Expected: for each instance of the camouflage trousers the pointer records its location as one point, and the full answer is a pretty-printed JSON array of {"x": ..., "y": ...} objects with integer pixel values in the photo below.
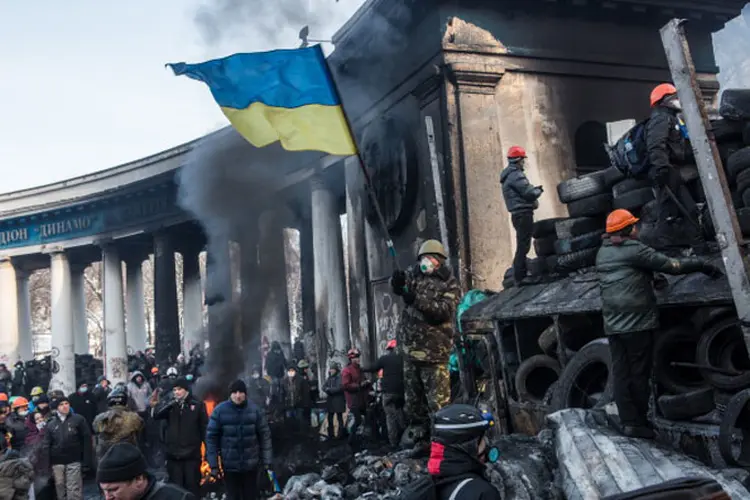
[
  {"x": 68, "y": 481},
  {"x": 393, "y": 406},
  {"x": 427, "y": 388}
]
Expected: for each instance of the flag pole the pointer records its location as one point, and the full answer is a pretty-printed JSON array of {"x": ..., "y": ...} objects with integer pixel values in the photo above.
[{"x": 368, "y": 179}]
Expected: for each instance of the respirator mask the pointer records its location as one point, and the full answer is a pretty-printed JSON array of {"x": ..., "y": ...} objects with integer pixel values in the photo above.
[{"x": 428, "y": 265}]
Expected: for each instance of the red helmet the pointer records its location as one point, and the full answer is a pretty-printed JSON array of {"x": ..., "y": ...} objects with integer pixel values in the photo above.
[
  {"x": 391, "y": 344},
  {"x": 353, "y": 353},
  {"x": 660, "y": 92},
  {"x": 516, "y": 152}
]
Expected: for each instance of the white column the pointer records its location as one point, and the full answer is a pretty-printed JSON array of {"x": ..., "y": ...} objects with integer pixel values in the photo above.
[
  {"x": 80, "y": 318},
  {"x": 63, "y": 358},
  {"x": 8, "y": 313},
  {"x": 192, "y": 300},
  {"x": 332, "y": 320},
  {"x": 116, "y": 361},
  {"x": 136, "y": 326},
  {"x": 25, "y": 333}
]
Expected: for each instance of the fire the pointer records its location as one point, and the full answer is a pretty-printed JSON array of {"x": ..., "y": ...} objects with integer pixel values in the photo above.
[{"x": 205, "y": 468}]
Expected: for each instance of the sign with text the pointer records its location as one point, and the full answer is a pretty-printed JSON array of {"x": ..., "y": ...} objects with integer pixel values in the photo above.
[{"x": 88, "y": 219}]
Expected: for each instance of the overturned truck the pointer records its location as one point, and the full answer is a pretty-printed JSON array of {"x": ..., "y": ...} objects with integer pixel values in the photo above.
[{"x": 545, "y": 344}]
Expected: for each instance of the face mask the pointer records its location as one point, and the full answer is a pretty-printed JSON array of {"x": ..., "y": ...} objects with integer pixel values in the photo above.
[
  {"x": 256, "y": 375},
  {"x": 35, "y": 398},
  {"x": 23, "y": 413},
  {"x": 40, "y": 425},
  {"x": 291, "y": 374},
  {"x": 675, "y": 104},
  {"x": 189, "y": 378},
  {"x": 83, "y": 389},
  {"x": 44, "y": 411},
  {"x": 427, "y": 265}
]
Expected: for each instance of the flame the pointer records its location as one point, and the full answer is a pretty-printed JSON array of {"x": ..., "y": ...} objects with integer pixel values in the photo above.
[{"x": 205, "y": 468}]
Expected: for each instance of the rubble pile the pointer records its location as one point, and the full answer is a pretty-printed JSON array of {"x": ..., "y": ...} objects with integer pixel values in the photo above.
[{"x": 525, "y": 471}]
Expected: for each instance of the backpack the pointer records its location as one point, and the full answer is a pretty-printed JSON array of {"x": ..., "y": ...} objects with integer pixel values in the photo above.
[
  {"x": 425, "y": 488},
  {"x": 629, "y": 154}
]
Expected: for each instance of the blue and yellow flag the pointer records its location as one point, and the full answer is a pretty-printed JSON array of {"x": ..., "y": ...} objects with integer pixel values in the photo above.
[{"x": 283, "y": 95}]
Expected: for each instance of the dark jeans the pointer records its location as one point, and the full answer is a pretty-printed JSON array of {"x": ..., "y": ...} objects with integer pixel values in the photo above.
[
  {"x": 357, "y": 414},
  {"x": 185, "y": 473},
  {"x": 340, "y": 418},
  {"x": 241, "y": 485},
  {"x": 523, "y": 222},
  {"x": 632, "y": 356},
  {"x": 667, "y": 207}
]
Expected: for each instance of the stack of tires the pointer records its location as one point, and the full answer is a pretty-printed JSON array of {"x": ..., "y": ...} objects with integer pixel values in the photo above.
[
  {"x": 545, "y": 239},
  {"x": 732, "y": 134},
  {"x": 88, "y": 369},
  {"x": 589, "y": 199}
]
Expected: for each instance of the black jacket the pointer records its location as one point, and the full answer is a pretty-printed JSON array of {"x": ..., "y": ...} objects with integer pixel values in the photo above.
[
  {"x": 625, "y": 269},
  {"x": 185, "y": 427},
  {"x": 258, "y": 390},
  {"x": 518, "y": 193},
  {"x": 664, "y": 142},
  {"x": 68, "y": 441},
  {"x": 336, "y": 401},
  {"x": 165, "y": 491},
  {"x": 392, "y": 365},
  {"x": 84, "y": 405},
  {"x": 16, "y": 425},
  {"x": 453, "y": 467},
  {"x": 240, "y": 435},
  {"x": 276, "y": 363},
  {"x": 100, "y": 395}
]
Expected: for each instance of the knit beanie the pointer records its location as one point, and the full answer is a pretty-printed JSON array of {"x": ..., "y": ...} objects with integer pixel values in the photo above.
[
  {"x": 123, "y": 462},
  {"x": 182, "y": 383},
  {"x": 237, "y": 386}
]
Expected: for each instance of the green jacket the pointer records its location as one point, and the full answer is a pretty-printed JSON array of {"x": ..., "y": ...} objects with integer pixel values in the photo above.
[{"x": 625, "y": 269}]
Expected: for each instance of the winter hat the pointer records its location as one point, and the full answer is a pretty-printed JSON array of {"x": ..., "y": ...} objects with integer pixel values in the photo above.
[
  {"x": 182, "y": 383},
  {"x": 123, "y": 462},
  {"x": 42, "y": 400},
  {"x": 237, "y": 386}
]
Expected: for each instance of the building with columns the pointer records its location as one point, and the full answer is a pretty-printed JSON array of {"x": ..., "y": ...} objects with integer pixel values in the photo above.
[{"x": 437, "y": 91}]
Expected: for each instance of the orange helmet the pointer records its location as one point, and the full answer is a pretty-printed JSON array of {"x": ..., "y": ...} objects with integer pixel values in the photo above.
[
  {"x": 516, "y": 152},
  {"x": 3, "y": 396},
  {"x": 20, "y": 402},
  {"x": 660, "y": 92},
  {"x": 391, "y": 344},
  {"x": 154, "y": 370},
  {"x": 620, "y": 219}
]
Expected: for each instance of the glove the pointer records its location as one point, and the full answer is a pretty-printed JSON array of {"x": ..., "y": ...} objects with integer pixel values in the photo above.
[
  {"x": 398, "y": 280},
  {"x": 712, "y": 271},
  {"x": 660, "y": 282},
  {"x": 540, "y": 188},
  {"x": 409, "y": 297},
  {"x": 215, "y": 473},
  {"x": 661, "y": 176}
]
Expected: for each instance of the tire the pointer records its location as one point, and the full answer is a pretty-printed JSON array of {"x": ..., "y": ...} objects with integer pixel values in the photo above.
[
  {"x": 735, "y": 413},
  {"x": 548, "y": 340},
  {"x": 588, "y": 240},
  {"x": 738, "y": 161},
  {"x": 735, "y": 104},
  {"x": 746, "y": 134},
  {"x": 508, "y": 283},
  {"x": 612, "y": 176},
  {"x": 586, "y": 375},
  {"x": 634, "y": 199},
  {"x": 746, "y": 198},
  {"x": 545, "y": 227},
  {"x": 537, "y": 267},
  {"x": 582, "y": 187},
  {"x": 728, "y": 149},
  {"x": 743, "y": 180},
  {"x": 577, "y": 260},
  {"x": 535, "y": 376},
  {"x": 629, "y": 185},
  {"x": 713, "y": 347},
  {"x": 705, "y": 317},
  {"x": 743, "y": 217},
  {"x": 688, "y": 405},
  {"x": 545, "y": 246},
  {"x": 591, "y": 206},
  {"x": 726, "y": 130},
  {"x": 570, "y": 228},
  {"x": 677, "y": 344}
]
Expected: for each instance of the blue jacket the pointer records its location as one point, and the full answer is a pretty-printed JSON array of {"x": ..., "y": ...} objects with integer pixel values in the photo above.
[{"x": 240, "y": 435}]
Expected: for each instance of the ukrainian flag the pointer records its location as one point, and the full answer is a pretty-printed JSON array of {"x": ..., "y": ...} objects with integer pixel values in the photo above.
[{"x": 283, "y": 95}]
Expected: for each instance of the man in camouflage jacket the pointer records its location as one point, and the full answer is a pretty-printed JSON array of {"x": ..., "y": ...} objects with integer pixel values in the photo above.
[
  {"x": 431, "y": 294},
  {"x": 116, "y": 425}
]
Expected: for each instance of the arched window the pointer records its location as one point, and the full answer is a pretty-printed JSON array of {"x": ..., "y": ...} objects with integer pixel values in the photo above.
[{"x": 590, "y": 139}]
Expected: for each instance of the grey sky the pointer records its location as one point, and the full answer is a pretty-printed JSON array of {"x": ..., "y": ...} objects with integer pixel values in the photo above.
[{"x": 84, "y": 87}]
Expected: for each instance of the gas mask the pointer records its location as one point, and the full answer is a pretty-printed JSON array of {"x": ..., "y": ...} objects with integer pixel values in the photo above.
[
  {"x": 83, "y": 390},
  {"x": 675, "y": 104},
  {"x": 291, "y": 374},
  {"x": 488, "y": 454},
  {"x": 23, "y": 413},
  {"x": 41, "y": 425},
  {"x": 428, "y": 265},
  {"x": 256, "y": 376}
]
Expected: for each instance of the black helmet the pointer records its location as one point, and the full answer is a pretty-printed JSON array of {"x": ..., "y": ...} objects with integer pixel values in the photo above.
[
  {"x": 459, "y": 423},
  {"x": 118, "y": 397}
]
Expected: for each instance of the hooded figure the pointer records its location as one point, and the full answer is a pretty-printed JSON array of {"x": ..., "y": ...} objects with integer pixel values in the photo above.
[
  {"x": 139, "y": 392},
  {"x": 276, "y": 361}
]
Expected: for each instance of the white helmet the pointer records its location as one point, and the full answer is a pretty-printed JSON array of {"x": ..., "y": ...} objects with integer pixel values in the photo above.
[{"x": 171, "y": 371}]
